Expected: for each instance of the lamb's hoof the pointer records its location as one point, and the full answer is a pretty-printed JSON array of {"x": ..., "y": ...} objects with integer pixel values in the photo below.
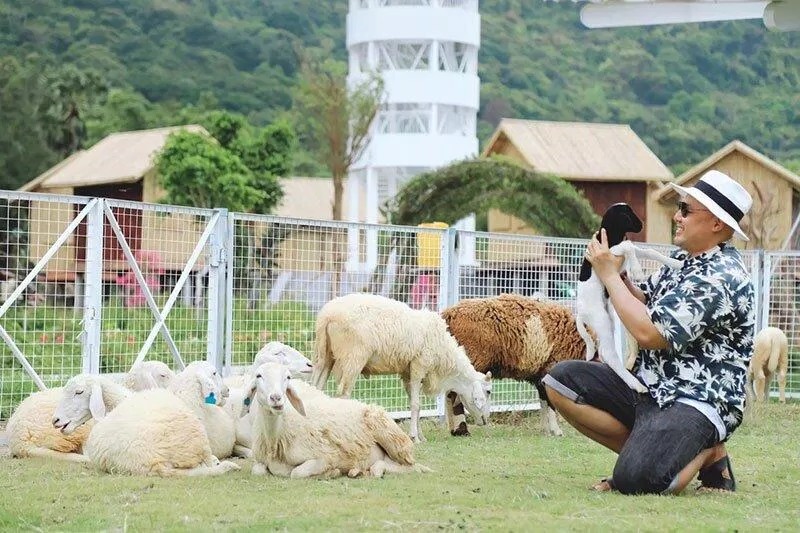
[
  {"x": 556, "y": 432},
  {"x": 259, "y": 469},
  {"x": 460, "y": 431},
  {"x": 228, "y": 466},
  {"x": 355, "y": 472},
  {"x": 416, "y": 439}
]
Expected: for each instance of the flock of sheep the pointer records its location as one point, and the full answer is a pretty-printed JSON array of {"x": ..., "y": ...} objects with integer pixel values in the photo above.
[{"x": 156, "y": 422}]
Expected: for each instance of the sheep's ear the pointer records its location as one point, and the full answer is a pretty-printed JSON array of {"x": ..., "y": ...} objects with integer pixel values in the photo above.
[
  {"x": 248, "y": 399},
  {"x": 209, "y": 391},
  {"x": 295, "y": 400},
  {"x": 149, "y": 381},
  {"x": 96, "y": 404}
]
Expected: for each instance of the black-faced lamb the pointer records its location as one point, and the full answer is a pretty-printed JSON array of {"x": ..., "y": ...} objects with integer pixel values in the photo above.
[
  {"x": 369, "y": 334},
  {"x": 513, "y": 337},
  {"x": 300, "y": 432},
  {"x": 593, "y": 306}
]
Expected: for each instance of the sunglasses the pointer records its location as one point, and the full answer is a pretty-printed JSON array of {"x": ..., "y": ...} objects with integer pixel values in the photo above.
[{"x": 685, "y": 210}]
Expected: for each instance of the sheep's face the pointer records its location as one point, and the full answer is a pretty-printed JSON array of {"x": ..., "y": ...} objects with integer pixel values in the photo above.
[
  {"x": 271, "y": 387},
  {"x": 81, "y": 401},
  {"x": 477, "y": 402},
  {"x": 212, "y": 388},
  {"x": 151, "y": 375},
  {"x": 278, "y": 352}
]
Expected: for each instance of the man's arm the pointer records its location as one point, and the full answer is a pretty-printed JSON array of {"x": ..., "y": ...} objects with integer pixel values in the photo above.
[
  {"x": 628, "y": 302},
  {"x": 635, "y": 290}
]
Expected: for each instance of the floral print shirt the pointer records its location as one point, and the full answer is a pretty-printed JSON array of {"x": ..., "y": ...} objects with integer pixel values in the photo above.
[{"x": 705, "y": 311}]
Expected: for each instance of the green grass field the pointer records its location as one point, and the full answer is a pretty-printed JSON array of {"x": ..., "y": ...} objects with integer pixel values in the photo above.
[{"x": 506, "y": 477}]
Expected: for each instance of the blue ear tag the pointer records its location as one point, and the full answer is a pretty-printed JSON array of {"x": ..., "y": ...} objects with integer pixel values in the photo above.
[
  {"x": 247, "y": 401},
  {"x": 211, "y": 399}
]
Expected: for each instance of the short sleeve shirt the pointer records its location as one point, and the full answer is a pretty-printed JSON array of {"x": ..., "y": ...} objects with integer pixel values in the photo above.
[{"x": 705, "y": 311}]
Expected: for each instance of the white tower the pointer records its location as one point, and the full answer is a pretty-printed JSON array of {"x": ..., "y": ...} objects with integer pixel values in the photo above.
[{"x": 427, "y": 53}]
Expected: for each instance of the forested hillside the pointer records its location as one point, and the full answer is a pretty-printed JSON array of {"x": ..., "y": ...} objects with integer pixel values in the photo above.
[{"x": 687, "y": 89}]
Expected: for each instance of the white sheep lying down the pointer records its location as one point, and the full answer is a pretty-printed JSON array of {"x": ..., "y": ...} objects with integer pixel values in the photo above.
[
  {"x": 153, "y": 432},
  {"x": 314, "y": 435},
  {"x": 220, "y": 426},
  {"x": 30, "y": 428},
  {"x": 276, "y": 352},
  {"x": 370, "y": 334}
]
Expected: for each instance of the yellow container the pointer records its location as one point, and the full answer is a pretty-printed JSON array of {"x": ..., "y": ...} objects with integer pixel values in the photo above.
[{"x": 428, "y": 244}]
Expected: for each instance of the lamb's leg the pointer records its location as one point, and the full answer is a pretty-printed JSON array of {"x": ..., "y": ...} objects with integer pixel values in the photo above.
[
  {"x": 242, "y": 451},
  {"x": 590, "y": 347},
  {"x": 414, "y": 389},
  {"x": 47, "y": 453},
  {"x": 310, "y": 468},
  {"x": 456, "y": 418},
  {"x": 221, "y": 467},
  {"x": 277, "y": 468},
  {"x": 649, "y": 253},
  {"x": 259, "y": 469},
  {"x": 762, "y": 385},
  {"x": 782, "y": 384},
  {"x": 348, "y": 369},
  {"x": 387, "y": 465},
  {"x": 605, "y": 334},
  {"x": 547, "y": 415}
]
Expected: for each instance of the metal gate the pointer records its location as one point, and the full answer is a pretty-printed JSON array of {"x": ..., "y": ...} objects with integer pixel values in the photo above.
[{"x": 95, "y": 285}]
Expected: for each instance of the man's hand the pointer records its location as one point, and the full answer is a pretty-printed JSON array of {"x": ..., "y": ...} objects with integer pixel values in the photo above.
[{"x": 604, "y": 263}]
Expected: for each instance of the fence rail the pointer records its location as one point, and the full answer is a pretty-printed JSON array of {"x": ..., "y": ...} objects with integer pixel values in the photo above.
[{"x": 95, "y": 285}]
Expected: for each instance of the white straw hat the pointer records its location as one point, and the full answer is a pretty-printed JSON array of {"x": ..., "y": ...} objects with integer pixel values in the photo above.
[{"x": 725, "y": 198}]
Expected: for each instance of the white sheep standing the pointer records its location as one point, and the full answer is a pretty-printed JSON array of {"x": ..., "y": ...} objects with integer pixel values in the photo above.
[
  {"x": 770, "y": 355},
  {"x": 30, "y": 429},
  {"x": 276, "y": 352},
  {"x": 202, "y": 389},
  {"x": 153, "y": 432},
  {"x": 370, "y": 334},
  {"x": 318, "y": 436}
]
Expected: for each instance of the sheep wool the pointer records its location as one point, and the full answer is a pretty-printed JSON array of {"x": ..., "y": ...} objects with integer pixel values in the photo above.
[{"x": 515, "y": 337}]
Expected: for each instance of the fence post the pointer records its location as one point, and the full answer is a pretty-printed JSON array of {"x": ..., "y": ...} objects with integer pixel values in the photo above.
[
  {"x": 766, "y": 284},
  {"x": 230, "y": 270},
  {"x": 449, "y": 273},
  {"x": 217, "y": 290},
  {"x": 93, "y": 288}
]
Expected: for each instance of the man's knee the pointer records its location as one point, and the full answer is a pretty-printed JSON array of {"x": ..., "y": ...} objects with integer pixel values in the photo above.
[
  {"x": 558, "y": 383},
  {"x": 641, "y": 475},
  {"x": 562, "y": 370}
]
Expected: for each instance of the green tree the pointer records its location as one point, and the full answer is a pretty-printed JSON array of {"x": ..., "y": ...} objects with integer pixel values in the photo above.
[
  {"x": 197, "y": 171},
  {"x": 68, "y": 95},
  {"x": 337, "y": 119}
]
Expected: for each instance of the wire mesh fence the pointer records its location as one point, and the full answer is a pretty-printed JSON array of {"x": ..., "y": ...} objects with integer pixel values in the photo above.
[{"x": 179, "y": 284}]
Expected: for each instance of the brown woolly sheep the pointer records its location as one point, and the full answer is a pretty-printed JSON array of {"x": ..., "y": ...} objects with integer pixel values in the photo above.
[{"x": 513, "y": 337}]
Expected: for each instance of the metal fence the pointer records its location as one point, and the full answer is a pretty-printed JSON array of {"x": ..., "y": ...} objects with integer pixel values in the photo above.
[{"x": 94, "y": 285}]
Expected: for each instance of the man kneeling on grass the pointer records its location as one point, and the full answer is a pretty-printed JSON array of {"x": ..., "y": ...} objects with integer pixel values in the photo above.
[{"x": 694, "y": 326}]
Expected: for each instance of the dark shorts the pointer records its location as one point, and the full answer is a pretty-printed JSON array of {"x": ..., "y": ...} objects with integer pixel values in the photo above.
[{"x": 662, "y": 441}]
